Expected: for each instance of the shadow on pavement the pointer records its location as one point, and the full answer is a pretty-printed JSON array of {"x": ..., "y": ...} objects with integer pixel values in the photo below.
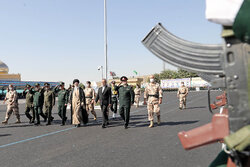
[
  {"x": 3, "y": 135},
  {"x": 15, "y": 126},
  {"x": 196, "y": 107},
  {"x": 178, "y": 123}
]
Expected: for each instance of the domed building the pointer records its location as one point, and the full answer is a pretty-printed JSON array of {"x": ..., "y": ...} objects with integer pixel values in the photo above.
[{"x": 4, "y": 73}]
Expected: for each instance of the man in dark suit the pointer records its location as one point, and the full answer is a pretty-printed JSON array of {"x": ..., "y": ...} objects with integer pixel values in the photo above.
[{"x": 104, "y": 96}]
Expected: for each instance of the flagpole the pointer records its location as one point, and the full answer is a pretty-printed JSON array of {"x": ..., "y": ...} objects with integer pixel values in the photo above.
[{"x": 105, "y": 40}]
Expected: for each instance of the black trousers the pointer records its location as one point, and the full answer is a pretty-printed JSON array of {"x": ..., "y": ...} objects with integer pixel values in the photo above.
[
  {"x": 105, "y": 117},
  {"x": 114, "y": 106},
  {"x": 125, "y": 114},
  {"x": 27, "y": 113}
]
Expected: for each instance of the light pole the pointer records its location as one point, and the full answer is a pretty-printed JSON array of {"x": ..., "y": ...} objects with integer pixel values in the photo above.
[
  {"x": 101, "y": 68},
  {"x": 105, "y": 41}
]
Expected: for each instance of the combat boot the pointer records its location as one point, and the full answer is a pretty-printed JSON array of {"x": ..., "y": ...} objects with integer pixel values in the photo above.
[
  {"x": 158, "y": 119},
  {"x": 18, "y": 121},
  {"x": 94, "y": 117},
  {"x": 151, "y": 124},
  {"x": 5, "y": 121}
]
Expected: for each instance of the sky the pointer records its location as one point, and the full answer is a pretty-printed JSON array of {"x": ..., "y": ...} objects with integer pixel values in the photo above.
[{"x": 60, "y": 40}]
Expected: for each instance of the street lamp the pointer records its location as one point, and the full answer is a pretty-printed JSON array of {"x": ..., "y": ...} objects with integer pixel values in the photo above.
[{"x": 101, "y": 68}]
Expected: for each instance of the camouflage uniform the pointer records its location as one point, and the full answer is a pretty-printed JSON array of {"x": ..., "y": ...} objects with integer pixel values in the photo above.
[
  {"x": 12, "y": 105},
  {"x": 90, "y": 97},
  {"x": 182, "y": 94},
  {"x": 152, "y": 93},
  {"x": 137, "y": 96}
]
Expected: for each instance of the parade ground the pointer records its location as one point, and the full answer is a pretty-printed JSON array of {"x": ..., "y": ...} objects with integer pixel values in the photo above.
[{"x": 91, "y": 146}]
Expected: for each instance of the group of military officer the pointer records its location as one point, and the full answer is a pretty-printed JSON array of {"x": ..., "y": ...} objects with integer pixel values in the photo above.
[{"x": 39, "y": 98}]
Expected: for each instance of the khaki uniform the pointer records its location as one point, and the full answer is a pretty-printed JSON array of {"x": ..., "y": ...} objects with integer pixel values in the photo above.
[
  {"x": 90, "y": 97},
  {"x": 12, "y": 105},
  {"x": 137, "y": 92},
  {"x": 152, "y": 93},
  {"x": 182, "y": 94}
]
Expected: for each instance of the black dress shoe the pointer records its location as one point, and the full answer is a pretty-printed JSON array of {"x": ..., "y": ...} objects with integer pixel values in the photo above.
[
  {"x": 62, "y": 124},
  {"x": 78, "y": 125},
  {"x": 103, "y": 126},
  {"x": 37, "y": 124},
  {"x": 48, "y": 124},
  {"x": 125, "y": 126}
]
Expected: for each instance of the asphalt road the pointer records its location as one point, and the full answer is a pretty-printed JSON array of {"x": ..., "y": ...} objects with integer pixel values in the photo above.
[{"x": 44, "y": 146}]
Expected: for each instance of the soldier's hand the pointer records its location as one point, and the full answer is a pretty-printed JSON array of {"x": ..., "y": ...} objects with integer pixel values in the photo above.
[
  {"x": 160, "y": 101},
  {"x": 65, "y": 104}
]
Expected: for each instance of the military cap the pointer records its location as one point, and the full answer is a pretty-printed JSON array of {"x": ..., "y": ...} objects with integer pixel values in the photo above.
[
  {"x": 46, "y": 84},
  {"x": 37, "y": 84},
  {"x": 124, "y": 78},
  {"x": 88, "y": 82},
  {"x": 61, "y": 83},
  {"x": 28, "y": 86},
  {"x": 76, "y": 80}
]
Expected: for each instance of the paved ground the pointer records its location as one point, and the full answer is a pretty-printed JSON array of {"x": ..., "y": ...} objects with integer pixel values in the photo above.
[{"x": 140, "y": 146}]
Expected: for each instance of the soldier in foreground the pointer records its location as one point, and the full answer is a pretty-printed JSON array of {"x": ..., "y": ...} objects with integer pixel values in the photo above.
[
  {"x": 38, "y": 103},
  {"x": 153, "y": 95},
  {"x": 182, "y": 95},
  {"x": 137, "y": 91},
  {"x": 28, "y": 93},
  {"x": 114, "y": 99},
  {"x": 12, "y": 104},
  {"x": 126, "y": 100},
  {"x": 90, "y": 99},
  {"x": 49, "y": 102},
  {"x": 62, "y": 101}
]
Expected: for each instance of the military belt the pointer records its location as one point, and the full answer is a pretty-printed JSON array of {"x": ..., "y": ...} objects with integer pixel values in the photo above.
[{"x": 156, "y": 96}]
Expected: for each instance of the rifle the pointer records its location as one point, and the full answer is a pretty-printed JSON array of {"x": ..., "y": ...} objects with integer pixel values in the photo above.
[{"x": 225, "y": 66}]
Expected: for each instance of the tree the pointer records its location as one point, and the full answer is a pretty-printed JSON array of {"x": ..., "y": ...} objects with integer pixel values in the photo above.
[{"x": 169, "y": 74}]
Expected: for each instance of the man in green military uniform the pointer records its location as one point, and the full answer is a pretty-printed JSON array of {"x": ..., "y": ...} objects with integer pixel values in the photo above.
[
  {"x": 62, "y": 94},
  {"x": 28, "y": 93},
  {"x": 126, "y": 100},
  {"x": 38, "y": 98},
  {"x": 49, "y": 102}
]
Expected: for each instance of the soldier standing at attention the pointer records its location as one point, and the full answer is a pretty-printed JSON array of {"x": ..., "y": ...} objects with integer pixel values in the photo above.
[
  {"x": 126, "y": 100},
  {"x": 182, "y": 95},
  {"x": 137, "y": 91},
  {"x": 12, "y": 105},
  {"x": 90, "y": 99},
  {"x": 38, "y": 98},
  {"x": 49, "y": 102},
  {"x": 114, "y": 99},
  {"x": 153, "y": 95},
  {"x": 62, "y": 101},
  {"x": 28, "y": 93}
]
